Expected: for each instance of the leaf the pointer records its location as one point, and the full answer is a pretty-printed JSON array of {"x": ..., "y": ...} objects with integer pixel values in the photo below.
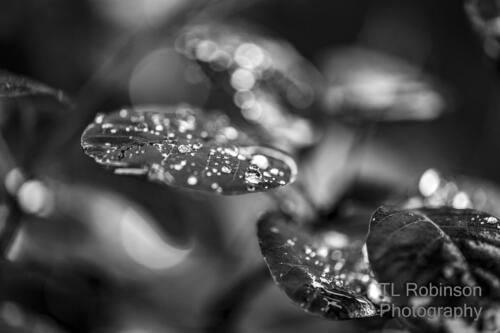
[
  {"x": 15, "y": 86},
  {"x": 265, "y": 79},
  {"x": 370, "y": 85},
  {"x": 183, "y": 147},
  {"x": 439, "y": 246},
  {"x": 483, "y": 15},
  {"x": 324, "y": 274}
]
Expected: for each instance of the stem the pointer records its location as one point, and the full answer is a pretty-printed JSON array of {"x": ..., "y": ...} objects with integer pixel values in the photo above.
[
  {"x": 12, "y": 221},
  {"x": 7, "y": 162},
  {"x": 363, "y": 133},
  {"x": 11, "y": 227},
  {"x": 228, "y": 307}
]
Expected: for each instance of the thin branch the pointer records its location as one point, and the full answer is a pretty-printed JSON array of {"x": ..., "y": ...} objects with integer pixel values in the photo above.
[
  {"x": 10, "y": 228},
  {"x": 227, "y": 309},
  {"x": 7, "y": 162}
]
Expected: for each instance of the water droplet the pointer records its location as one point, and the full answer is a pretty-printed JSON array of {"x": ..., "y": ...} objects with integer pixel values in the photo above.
[
  {"x": 274, "y": 171},
  {"x": 192, "y": 180},
  {"x": 226, "y": 169},
  {"x": 184, "y": 149},
  {"x": 261, "y": 161},
  {"x": 491, "y": 220},
  {"x": 99, "y": 118},
  {"x": 253, "y": 176},
  {"x": 429, "y": 182}
]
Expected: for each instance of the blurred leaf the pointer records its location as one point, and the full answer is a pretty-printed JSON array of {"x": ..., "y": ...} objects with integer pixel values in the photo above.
[
  {"x": 183, "y": 147},
  {"x": 440, "y": 247},
  {"x": 437, "y": 190},
  {"x": 483, "y": 15},
  {"x": 324, "y": 274},
  {"x": 15, "y": 86},
  {"x": 29, "y": 111},
  {"x": 365, "y": 84},
  {"x": 265, "y": 79}
]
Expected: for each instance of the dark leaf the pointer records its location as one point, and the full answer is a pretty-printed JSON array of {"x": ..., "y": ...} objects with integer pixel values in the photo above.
[
  {"x": 323, "y": 273},
  {"x": 261, "y": 77},
  {"x": 483, "y": 15},
  {"x": 438, "y": 246},
  {"x": 183, "y": 147},
  {"x": 15, "y": 86},
  {"x": 370, "y": 85}
]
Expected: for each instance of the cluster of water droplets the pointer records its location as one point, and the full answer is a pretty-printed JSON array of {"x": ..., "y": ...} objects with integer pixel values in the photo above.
[
  {"x": 267, "y": 77},
  {"x": 185, "y": 147},
  {"x": 460, "y": 192}
]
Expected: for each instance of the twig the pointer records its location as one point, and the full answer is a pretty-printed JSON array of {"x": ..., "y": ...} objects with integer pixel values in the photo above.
[
  {"x": 12, "y": 222},
  {"x": 7, "y": 162},
  {"x": 11, "y": 227},
  {"x": 228, "y": 307}
]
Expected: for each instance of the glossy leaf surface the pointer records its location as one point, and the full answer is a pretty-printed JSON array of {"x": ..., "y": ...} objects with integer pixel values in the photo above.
[
  {"x": 185, "y": 147},
  {"x": 324, "y": 273}
]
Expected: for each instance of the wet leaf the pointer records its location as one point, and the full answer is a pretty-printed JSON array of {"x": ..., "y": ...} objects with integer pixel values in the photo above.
[
  {"x": 437, "y": 190},
  {"x": 458, "y": 248},
  {"x": 181, "y": 146},
  {"x": 365, "y": 84},
  {"x": 15, "y": 86},
  {"x": 483, "y": 15},
  {"x": 264, "y": 78},
  {"x": 325, "y": 274}
]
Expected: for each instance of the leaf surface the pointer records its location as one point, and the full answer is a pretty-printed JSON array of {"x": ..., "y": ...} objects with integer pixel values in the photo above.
[
  {"x": 185, "y": 147},
  {"x": 324, "y": 273}
]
